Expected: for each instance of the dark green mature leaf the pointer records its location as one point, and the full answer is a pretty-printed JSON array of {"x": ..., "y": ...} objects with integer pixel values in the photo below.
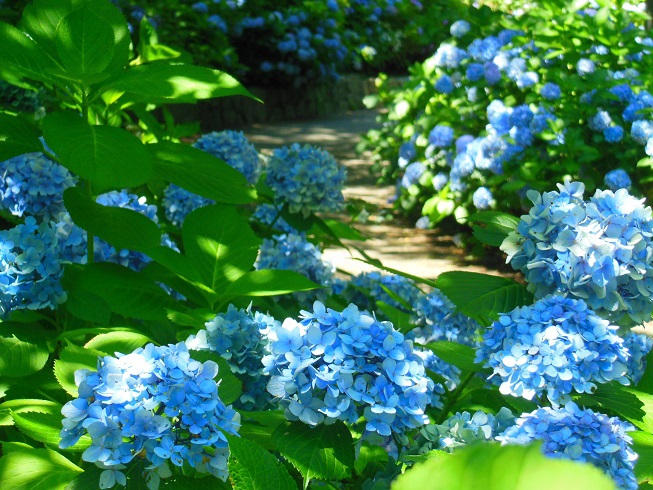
[
  {"x": 323, "y": 452},
  {"x": 253, "y": 468},
  {"x": 643, "y": 446},
  {"x": 482, "y": 296},
  {"x": 628, "y": 403},
  {"x": 17, "y": 137},
  {"x": 201, "y": 173},
  {"x": 21, "y": 57},
  {"x": 22, "y": 351},
  {"x": 111, "y": 158},
  {"x": 72, "y": 358},
  {"x": 219, "y": 244},
  {"x": 36, "y": 469},
  {"x": 495, "y": 467},
  {"x": 173, "y": 83},
  {"x": 84, "y": 42},
  {"x": 269, "y": 283},
  {"x": 259, "y": 426},
  {"x": 121, "y": 227},
  {"x": 461, "y": 356},
  {"x": 127, "y": 293},
  {"x": 491, "y": 227}
]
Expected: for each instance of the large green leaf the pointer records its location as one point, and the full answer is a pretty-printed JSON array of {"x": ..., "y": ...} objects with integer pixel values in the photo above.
[
  {"x": 10, "y": 407},
  {"x": 169, "y": 83},
  {"x": 123, "y": 342},
  {"x": 495, "y": 467},
  {"x": 269, "y": 283},
  {"x": 22, "y": 351},
  {"x": 628, "y": 403},
  {"x": 46, "y": 428},
  {"x": 219, "y": 244},
  {"x": 461, "y": 356},
  {"x": 111, "y": 158},
  {"x": 259, "y": 426},
  {"x": 253, "y": 468},
  {"x": 126, "y": 292},
  {"x": 36, "y": 469},
  {"x": 482, "y": 296},
  {"x": 17, "y": 137},
  {"x": 121, "y": 227},
  {"x": 84, "y": 42},
  {"x": 201, "y": 173},
  {"x": 20, "y": 56},
  {"x": 643, "y": 446},
  {"x": 492, "y": 227},
  {"x": 324, "y": 452},
  {"x": 71, "y": 359}
]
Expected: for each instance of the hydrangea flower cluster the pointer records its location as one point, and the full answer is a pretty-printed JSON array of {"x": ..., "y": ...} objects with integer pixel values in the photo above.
[
  {"x": 179, "y": 203},
  {"x": 366, "y": 288},
  {"x": 568, "y": 432},
  {"x": 617, "y": 179},
  {"x": 235, "y": 149},
  {"x": 554, "y": 347},
  {"x": 343, "y": 365},
  {"x": 294, "y": 252},
  {"x": 306, "y": 178},
  {"x": 600, "y": 250},
  {"x": 240, "y": 336},
  {"x": 156, "y": 403},
  {"x": 33, "y": 185},
  {"x": 639, "y": 345},
  {"x": 270, "y": 215},
  {"x": 30, "y": 267}
]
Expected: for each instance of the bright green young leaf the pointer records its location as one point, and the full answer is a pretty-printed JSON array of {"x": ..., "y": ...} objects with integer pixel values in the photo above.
[
  {"x": 121, "y": 227},
  {"x": 15, "y": 406},
  {"x": 482, "y": 296},
  {"x": 495, "y": 467},
  {"x": 22, "y": 352},
  {"x": 111, "y": 158},
  {"x": 169, "y": 83},
  {"x": 123, "y": 342},
  {"x": 253, "y": 468},
  {"x": 369, "y": 458},
  {"x": 643, "y": 446},
  {"x": 84, "y": 42},
  {"x": 461, "y": 356},
  {"x": 17, "y": 137},
  {"x": 21, "y": 57},
  {"x": 491, "y": 227},
  {"x": 324, "y": 452},
  {"x": 46, "y": 428},
  {"x": 269, "y": 282},
  {"x": 201, "y": 173},
  {"x": 219, "y": 244},
  {"x": 72, "y": 358},
  {"x": 36, "y": 469},
  {"x": 126, "y": 292}
]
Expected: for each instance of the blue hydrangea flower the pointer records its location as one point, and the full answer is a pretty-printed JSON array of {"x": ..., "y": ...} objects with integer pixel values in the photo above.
[
  {"x": 579, "y": 435},
  {"x": 639, "y": 345},
  {"x": 459, "y": 28},
  {"x": 156, "y": 403},
  {"x": 556, "y": 346},
  {"x": 33, "y": 185},
  {"x": 179, "y": 203},
  {"x": 412, "y": 174},
  {"x": 484, "y": 50},
  {"x": 306, "y": 178},
  {"x": 30, "y": 267},
  {"x": 642, "y": 131},
  {"x": 200, "y": 7},
  {"x": 407, "y": 152},
  {"x": 293, "y": 252},
  {"x": 617, "y": 179},
  {"x": 462, "y": 142},
  {"x": 218, "y": 22},
  {"x": 498, "y": 115},
  {"x": 623, "y": 92},
  {"x": 449, "y": 56},
  {"x": 444, "y": 84},
  {"x": 474, "y": 72},
  {"x": 550, "y": 91},
  {"x": 270, "y": 215},
  {"x": 439, "y": 181},
  {"x": 492, "y": 73},
  {"x": 441, "y": 136},
  {"x": 449, "y": 373},
  {"x": 600, "y": 121},
  {"x": 585, "y": 66},
  {"x": 233, "y": 148},
  {"x": 345, "y": 365},
  {"x": 423, "y": 223},
  {"x": 527, "y": 80},
  {"x": 366, "y": 288},
  {"x": 482, "y": 198},
  {"x": 613, "y": 134},
  {"x": 240, "y": 336},
  {"x": 587, "y": 250}
]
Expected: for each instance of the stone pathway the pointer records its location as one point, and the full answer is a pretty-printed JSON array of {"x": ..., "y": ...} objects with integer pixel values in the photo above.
[{"x": 424, "y": 253}]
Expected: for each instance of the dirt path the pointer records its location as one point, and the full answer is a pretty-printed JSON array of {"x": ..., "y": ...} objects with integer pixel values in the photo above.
[{"x": 424, "y": 253}]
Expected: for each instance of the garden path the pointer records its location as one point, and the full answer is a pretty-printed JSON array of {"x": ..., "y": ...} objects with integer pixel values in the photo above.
[{"x": 424, "y": 253}]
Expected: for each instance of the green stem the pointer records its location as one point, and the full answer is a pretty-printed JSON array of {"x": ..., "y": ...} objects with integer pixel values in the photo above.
[{"x": 454, "y": 396}]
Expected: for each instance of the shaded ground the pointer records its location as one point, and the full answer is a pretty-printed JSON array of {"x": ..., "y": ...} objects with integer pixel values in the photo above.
[{"x": 424, "y": 253}]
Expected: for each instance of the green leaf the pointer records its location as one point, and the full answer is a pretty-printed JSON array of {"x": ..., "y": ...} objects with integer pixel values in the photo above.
[
  {"x": 46, "y": 428},
  {"x": 72, "y": 358},
  {"x": 461, "y": 356},
  {"x": 111, "y": 158},
  {"x": 10, "y": 407},
  {"x": 219, "y": 244},
  {"x": 628, "y": 403},
  {"x": 84, "y": 42},
  {"x": 162, "y": 82},
  {"x": 482, "y": 296},
  {"x": 121, "y": 227},
  {"x": 643, "y": 446},
  {"x": 36, "y": 469},
  {"x": 491, "y": 227},
  {"x": 127, "y": 293},
  {"x": 269, "y": 282},
  {"x": 495, "y": 467},
  {"x": 17, "y": 137},
  {"x": 201, "y": 173},
  {"x": 123, "y": 342},
  {"x": 323, "y": 452},
  {"x": 253, "y": 468},
  {"x": 399, "y": 319},
  {"x": 22, "y": 351},
  {"x": 20, "y": 56},
  {"x": 369, "y": 458},
  {"x": 259, "y": 426}
]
